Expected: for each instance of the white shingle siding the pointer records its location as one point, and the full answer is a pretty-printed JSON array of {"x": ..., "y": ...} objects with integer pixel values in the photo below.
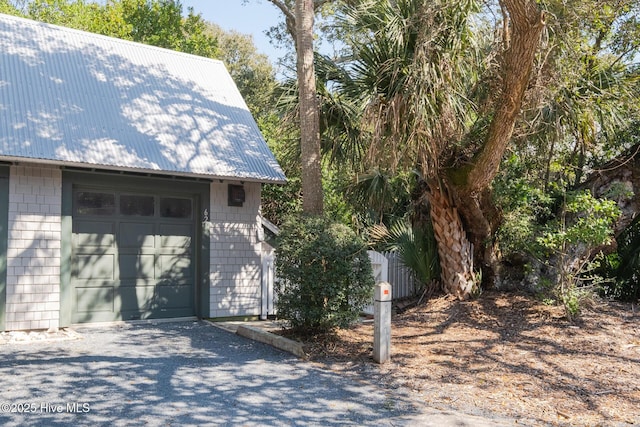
[
  {"x": 33, "y": 250},
  {"x": 235, "y": 253}
]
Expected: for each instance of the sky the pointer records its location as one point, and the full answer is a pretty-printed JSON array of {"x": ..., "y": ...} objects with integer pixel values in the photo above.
[{"x": 252, "y": 17}]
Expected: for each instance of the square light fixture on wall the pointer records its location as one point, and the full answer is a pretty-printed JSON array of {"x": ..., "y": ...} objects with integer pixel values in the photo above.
[{"x": 236, "y": 195}]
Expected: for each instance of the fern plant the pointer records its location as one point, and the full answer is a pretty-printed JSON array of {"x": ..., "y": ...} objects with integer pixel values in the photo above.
[{"x": 416, "y": 247}]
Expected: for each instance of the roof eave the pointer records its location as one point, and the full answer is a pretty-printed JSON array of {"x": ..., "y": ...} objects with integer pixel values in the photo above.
[{"x": 148, "y": 172}]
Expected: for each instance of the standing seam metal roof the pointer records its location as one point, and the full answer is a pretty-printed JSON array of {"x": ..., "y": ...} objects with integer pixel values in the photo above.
[{"x": 78, "y": 98}]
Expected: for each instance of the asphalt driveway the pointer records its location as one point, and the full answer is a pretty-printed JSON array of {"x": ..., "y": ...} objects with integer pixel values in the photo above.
[{"x": 186, "y": 373}]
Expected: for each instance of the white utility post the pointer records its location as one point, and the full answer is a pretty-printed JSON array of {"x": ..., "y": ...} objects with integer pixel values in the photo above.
[{"x": 382, "y": 323}]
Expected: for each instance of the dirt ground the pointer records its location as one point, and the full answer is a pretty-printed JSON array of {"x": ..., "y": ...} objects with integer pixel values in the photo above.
[{"x": 507, "y": 355}]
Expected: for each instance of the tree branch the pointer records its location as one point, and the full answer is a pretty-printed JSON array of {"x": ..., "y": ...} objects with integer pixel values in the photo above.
[
  {"x": 526, "y": 21},
  {"x": 317, "y": 4},
  {"x": 283, "y": 7},
  {"x": 290, "y": 18}
]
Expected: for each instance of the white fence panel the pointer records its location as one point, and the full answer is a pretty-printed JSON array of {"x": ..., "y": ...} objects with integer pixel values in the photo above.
[
  {"x": 268, "y": 279},
  {"x": 400, "y": 276},
  {"x": 380, "y": 267}
]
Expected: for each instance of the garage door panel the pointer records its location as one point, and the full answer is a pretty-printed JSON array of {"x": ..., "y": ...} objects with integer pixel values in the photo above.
[
  {"x": 175, "y": 296},
  {"x": 171, "y": 266},
  {"x": 95, "y": 299},
  {"x": 138, "y": 297},
  {"x": 150, "y": 301},
  {"x": 175, "y": 252},
  {"x": 93, "y": 234},
  {"x": 94, "y": 266},
  {"x": 136, "y": 235},
  {"x": 136, "y": 266},
  {"x": 176, "y": 235}
]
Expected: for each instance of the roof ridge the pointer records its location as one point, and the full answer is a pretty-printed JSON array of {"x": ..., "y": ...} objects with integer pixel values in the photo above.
[{"x": 35, "y": 23}]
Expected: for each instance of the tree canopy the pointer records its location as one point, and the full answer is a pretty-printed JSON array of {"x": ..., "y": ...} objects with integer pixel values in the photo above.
[{"x": 479, "y": 123}]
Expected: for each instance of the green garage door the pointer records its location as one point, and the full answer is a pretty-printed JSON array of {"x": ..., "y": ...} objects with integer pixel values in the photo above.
[{"x": 133, "y": 255}]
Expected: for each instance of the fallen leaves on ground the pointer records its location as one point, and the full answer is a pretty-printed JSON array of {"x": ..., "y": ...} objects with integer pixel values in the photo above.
[{"x": 508, "y": 355}]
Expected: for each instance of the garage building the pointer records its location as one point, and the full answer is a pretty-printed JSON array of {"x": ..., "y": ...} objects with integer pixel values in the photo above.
[{"x": 130, "y": 181}]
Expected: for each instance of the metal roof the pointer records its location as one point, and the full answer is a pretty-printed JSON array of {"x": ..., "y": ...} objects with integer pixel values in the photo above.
[{"x": 78, "y": 98}]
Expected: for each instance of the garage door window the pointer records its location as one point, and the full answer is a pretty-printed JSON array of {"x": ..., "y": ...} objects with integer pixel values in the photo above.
[
  {"x": 172, "y": 207},
  {"x": 92, "y": 203},
  {"x": 131, "y": 204}
]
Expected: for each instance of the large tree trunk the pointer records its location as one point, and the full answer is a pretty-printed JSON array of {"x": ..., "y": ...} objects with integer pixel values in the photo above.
[
  {"x": 454, "y": 250},
  {"x": 299, "y": 22},
  {"x": 309, "y": 110},
  {"x": 526, "y": 24},
  {"x": 471, "y": 194},
  {"x": 481, "y": 218}
]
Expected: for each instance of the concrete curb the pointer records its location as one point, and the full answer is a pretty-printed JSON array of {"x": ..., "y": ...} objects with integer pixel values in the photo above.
[{"x": 277, "y": 341}]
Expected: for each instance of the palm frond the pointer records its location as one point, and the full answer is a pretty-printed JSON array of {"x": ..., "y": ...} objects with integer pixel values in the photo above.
[
  {"x": 412, "y": 71},
  {"x": 416, "y": 247}
]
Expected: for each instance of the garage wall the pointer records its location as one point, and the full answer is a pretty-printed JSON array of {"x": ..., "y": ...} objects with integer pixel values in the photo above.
[
  {"x": 235, "y": 253},
  {"x": 33, "y": 248}
]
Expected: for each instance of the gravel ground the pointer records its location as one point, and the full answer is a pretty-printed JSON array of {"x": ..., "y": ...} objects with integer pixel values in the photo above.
[{"x": 187, "y": 373}]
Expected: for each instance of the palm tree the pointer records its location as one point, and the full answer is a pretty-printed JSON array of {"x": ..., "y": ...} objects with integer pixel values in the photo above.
[{"x": 416, "y": 74}]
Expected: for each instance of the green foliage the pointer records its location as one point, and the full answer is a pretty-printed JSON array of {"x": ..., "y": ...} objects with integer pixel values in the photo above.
[
  {"x": 324, "y": 275},
  {"x": 525, "y": 205},
  {"x": 7, "y": 7},
  {"x": 584, "y": 222},
  {"x": 160, "y": 23},
  {"x": 379, "y": 197},
  {"x": 280, "y": 201},
  {"x": 73, "y": 14},
  {"x": 624, "y": 266},
  {"x": 335, "y": 181},
  {"x": 251, "y": 71},
  {"x": 155, "y": 22},
  {"x": 555, "y": 227},
  {"x": 416, "y": 246},
  {"x": 573, "y": 299},
  {"x": 590, "y": 222},
  {"x": 409, "y": 78}
]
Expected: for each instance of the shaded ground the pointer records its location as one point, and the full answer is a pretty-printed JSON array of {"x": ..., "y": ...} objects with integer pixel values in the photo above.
[
  {"x": 509, "y": 355},
  {"x": 180, "y": 374}
]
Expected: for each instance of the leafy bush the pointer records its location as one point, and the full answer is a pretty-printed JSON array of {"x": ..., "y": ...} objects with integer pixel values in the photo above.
[
  {"x": 525, "y": 206},
  {"x": 585, "y": 222},
  {"x": 591, "y": 223},
  {"x": 324, "y": 275}
]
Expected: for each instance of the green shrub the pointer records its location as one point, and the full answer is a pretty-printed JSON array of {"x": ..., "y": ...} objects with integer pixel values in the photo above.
[
  {"x": 591, "y": 223},
  {"x": 585, "y": 222},
  {"x": 624, "y": 266},
  {"x": 324, "y": 275}
]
